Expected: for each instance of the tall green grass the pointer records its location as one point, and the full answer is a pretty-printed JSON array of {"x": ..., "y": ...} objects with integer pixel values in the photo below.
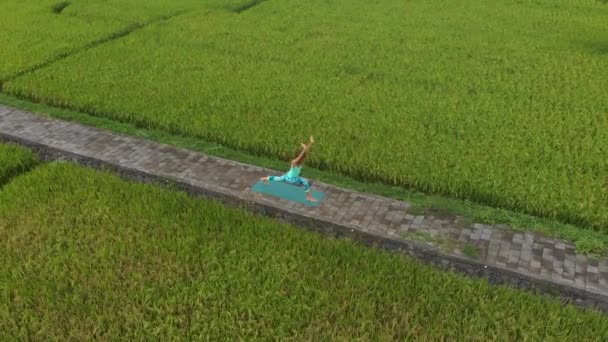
[
  {"x": 14, "y": 160},
  {"x": 88, "y": 256},
  {"x": 588, "y": 241},
  {"x": 501, "y": 103},
  {"x": 34, "y": 32}
]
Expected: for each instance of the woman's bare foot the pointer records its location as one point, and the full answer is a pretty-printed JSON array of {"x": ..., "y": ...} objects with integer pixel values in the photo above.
[
  {"x": 265, "y": 180},
  {"x": 309, "y": 197}
]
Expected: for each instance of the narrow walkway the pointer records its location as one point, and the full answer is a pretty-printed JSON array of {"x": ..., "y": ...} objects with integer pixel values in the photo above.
[{"x": 503, "y": 256}]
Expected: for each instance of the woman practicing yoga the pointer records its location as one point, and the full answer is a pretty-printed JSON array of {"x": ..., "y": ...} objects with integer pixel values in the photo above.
[{"x": 293, "y": 176}]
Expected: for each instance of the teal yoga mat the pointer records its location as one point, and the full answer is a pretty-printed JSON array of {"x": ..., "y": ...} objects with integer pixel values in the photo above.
[{"x": 288, "y": 191}]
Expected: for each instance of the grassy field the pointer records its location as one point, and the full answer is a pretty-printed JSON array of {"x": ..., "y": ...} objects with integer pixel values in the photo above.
[
  {"x": 587, "y": 241},
  {"x": 14, "y": 160},
  {"x": 501, "y": 103},
  {"x": 35, "y": 32},
  {"x": 131, "y": 261}
]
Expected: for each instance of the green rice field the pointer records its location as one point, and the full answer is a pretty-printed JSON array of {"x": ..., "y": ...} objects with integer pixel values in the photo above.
[
  {"x": 87, "y": 256},
  {"x": 36, "y": 32},
  {"x": 503, "y": 102},
  {"x": 14, "y": 160}
]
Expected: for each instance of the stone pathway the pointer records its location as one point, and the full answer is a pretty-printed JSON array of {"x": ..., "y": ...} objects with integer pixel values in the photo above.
[{"x": 494, "y": 251}]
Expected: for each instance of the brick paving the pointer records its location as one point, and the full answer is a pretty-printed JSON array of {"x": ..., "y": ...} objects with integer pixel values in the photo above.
[{"x": 528, "y": 255}]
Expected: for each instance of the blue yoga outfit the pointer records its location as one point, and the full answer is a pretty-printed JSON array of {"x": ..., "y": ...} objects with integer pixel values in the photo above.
[{"x": 292, "y": 177}]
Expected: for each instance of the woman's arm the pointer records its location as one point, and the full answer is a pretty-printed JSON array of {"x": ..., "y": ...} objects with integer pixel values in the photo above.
[{"x": 300, "y": 158}]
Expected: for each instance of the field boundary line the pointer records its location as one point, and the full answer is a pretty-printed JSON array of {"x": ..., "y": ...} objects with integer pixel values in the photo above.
[
  {"x": 248, "y": 6},
  {"x": 125, "y": 31}
]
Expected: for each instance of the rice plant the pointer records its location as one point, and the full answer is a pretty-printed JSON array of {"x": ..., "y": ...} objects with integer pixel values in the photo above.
[
  {"x": 86, "y": 255},
  {"x": 502, "y": 103},
  {"x": 14, "y": 160}
]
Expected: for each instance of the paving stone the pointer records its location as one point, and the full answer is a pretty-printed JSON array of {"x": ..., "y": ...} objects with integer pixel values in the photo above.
[
  {"x": 360, "y": 214},
  {"x": 569, "y": 265},
  {"x": 556, "y": 277},
  {"x": 453, "y": 232},
  {"x": 558, "y": 266},
  {"x": 547, "y": 261},
  {"x": 580, "y": 279},
  {"x": 592, "y": 281},
  {"x": 368, "y": 218},
  {"x": 494, "y": 246},
  {"x": 486, "y": 234},
  {"x": 535, "y": 267},
  {"x": 518, "y": 238},
  {"x": 505, "y": 247},
  {"x": 593, "y": 262},
  {"x": 513, "y": 258},
  {"x": 545, "y": 272},
  {"x": 435, "y": 224},
  {"x": 464, "y": 236},
  {"x": 5, "y": 110},
  {"x": 483, "y": 246},
  {"x": 603, "y": 281},
  {"x": 525, "y": 258}
]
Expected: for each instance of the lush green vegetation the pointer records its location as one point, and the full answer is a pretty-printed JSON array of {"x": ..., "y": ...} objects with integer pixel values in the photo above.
[
  {"x": 502, "y": 102},
  {"x": 586, "y": 240},
  {"x": 14, "y": 160},
  {"x": 35, "y": 32},
  {"x": 130, "y": 261}
]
